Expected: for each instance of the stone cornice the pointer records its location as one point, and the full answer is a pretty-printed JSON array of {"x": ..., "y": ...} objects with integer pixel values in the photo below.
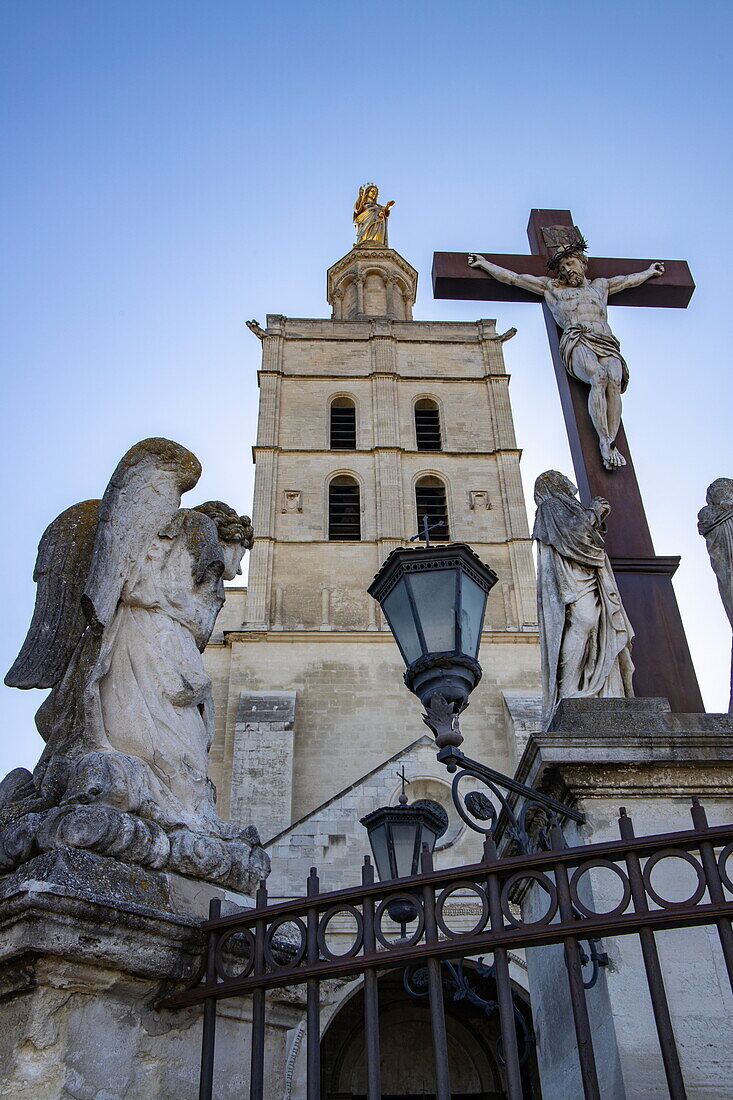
[
  {"x": 270, "y": 449},
  {"x": 489, "y": 637},
  {"x": 630, "y": 746},
  {"x": 364, "y": 329},
  {"x": 431, "y": 379}
]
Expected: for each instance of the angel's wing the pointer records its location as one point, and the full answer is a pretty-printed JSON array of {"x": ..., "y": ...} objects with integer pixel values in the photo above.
[
  {"x": 64, "y": 556},
  {"x": 141, "y": 499}
]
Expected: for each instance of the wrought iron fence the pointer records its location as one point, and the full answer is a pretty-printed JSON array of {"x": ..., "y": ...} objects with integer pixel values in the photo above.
[{"x": 249, "y": 952}]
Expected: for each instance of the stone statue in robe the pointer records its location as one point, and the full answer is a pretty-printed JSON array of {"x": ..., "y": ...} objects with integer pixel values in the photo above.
[
  {"x": 129, "y": 589},
  {"x": 370, "y": 217},
  {"x": 715, "y": 524},
  {"x": 585, "y": 634}
]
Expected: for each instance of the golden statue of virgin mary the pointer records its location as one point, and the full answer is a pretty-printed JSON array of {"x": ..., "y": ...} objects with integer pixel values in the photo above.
[{"x": 370, "y": 218}]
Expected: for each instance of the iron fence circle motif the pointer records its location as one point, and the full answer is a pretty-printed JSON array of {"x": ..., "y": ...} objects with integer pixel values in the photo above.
[
  {"x": 221, "y": 968},
  {"x": 542, "y": 880},
  {"x": 591, "y": 865},
  {"x": 673, "y": 853},
  {"x": 416, "y": 903},
  {"x": 272, "y": 930},
  {"x": 442, "y": 898},
  {"x": 326, "y": 917},
  {"x": 476, "y": 806},
  {"x": 722, "y": 869}
]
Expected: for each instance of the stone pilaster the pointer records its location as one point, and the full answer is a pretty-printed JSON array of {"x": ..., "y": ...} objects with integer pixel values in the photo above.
[{"x": 262, "y": 770}]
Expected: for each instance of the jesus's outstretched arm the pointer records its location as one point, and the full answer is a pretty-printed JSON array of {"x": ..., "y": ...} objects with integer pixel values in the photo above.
[
  {"x": 537, "y": 285},
  {"x": 625, "y": 282}
]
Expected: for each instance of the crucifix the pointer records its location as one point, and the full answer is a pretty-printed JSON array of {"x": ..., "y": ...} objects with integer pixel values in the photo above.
[{"x": 600, "y": 451}]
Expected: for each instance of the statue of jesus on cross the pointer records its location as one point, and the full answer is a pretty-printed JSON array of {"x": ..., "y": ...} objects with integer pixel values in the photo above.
[{"x": 589, "y": 350}]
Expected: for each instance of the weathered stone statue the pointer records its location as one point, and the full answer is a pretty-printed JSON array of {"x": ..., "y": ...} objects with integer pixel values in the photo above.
[
  {"x": 370, "y": 218},
  {"x": 715, "y": 523},
  {"x": 129, "y": 588},
  {"x": 585, "y": 635},
  {"x": 590, "y": 351}
]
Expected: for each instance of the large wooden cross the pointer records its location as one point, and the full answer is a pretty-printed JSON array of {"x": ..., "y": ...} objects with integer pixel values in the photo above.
[{"x": 661, "y": 654}]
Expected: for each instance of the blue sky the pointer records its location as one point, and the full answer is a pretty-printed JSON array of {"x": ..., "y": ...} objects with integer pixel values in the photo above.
[{"x": 173, "y": 168}]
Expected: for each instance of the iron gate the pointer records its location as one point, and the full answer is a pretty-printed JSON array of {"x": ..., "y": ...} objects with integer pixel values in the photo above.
[{"x": 245, "y": 954}]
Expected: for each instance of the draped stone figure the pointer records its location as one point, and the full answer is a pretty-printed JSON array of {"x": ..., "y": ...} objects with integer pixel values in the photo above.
[
  {"x": 715, "y": 524},
  {"x": 370, "y": 217},
  {"x": 585, "y": 634},
  {"x": 129, "y": 588}
]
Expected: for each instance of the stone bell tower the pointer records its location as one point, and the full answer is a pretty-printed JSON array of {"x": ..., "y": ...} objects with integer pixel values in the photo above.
[{"x": 368, "y": 421}]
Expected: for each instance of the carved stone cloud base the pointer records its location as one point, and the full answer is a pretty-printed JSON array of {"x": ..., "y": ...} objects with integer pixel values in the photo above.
[{"x": 102, "y": 803}]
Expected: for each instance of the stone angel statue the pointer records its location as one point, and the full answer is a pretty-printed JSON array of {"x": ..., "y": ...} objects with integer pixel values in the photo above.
[
  {"x": 370, "y": 218},
  {"x": 129, "y": 588}
]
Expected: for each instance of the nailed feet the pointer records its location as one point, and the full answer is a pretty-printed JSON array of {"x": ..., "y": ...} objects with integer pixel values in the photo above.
[{"x": 612, "y": 458}]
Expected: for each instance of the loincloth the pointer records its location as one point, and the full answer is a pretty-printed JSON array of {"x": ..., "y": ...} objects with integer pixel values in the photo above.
[{"x": 601, "y": 344}]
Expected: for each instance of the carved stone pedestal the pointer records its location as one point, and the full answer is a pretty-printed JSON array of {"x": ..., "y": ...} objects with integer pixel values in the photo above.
[
  {"x": 87, "y": 947},
  {"x": 602, "y": 754}
]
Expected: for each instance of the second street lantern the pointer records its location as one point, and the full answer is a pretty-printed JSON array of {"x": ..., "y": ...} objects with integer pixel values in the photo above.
[{"x": 434, "y": 599}]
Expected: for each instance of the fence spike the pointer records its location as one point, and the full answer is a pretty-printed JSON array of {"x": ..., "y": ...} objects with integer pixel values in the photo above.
[
  {"x": 490, "y": 852},
  {"x": 625, "y": 825},
  {"x": 426, "y": 858},
  {"x": 699, "y": 817},
  {"x": 367, "y": 872},
  {"x": 557, "y": 838}
]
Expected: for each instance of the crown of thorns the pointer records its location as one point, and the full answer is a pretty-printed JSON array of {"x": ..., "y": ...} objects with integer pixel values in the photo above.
[{"x": 576, "y": 248}]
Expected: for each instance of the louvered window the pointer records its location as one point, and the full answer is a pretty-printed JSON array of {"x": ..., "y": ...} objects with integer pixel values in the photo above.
[
  {"x": 427, "y": 425},
  {"x": 343, "y": 425},
  {"x": 431, "y": 502},
  {"x": 344, "y": 510}
]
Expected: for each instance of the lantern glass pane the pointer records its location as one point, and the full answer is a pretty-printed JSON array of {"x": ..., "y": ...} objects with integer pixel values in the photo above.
[
  {"x": 473, "y": 605},
  {"x": 434, "y": 593},
  {"x": 403, "y": 838},
  {"x": 401, "y": 621},
  {"x": 378, "y": 841}
]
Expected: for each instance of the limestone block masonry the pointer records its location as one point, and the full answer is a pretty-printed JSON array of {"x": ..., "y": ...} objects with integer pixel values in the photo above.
[{"x": 306, "y": 625}]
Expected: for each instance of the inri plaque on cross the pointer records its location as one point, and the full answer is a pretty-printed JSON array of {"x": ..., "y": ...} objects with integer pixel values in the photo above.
[{"x": 661, "y": 654}]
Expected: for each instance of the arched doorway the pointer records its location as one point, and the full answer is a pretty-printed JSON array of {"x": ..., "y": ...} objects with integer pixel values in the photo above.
[{"x": 406, "y": 1047}]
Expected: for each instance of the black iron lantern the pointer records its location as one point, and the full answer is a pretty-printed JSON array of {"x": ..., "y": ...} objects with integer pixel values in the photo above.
[
  {"x": 434, "y": 599},
  {"x": 396, "y": 836}
]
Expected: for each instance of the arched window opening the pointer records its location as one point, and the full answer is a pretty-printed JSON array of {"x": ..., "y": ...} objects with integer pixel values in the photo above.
[
  {"x": 344, "y": 510},
  {"x": 427, "y": 425},
  {"x": 343, "y": 424},
  {"x": 430, "y": 501}
]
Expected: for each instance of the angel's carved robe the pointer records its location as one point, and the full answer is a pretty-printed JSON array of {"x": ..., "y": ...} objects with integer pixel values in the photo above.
[{"x": 149, "y": 695}]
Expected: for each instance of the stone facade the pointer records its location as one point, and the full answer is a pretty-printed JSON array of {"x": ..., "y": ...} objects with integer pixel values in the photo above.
[{"x": 306, "y": 625}]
